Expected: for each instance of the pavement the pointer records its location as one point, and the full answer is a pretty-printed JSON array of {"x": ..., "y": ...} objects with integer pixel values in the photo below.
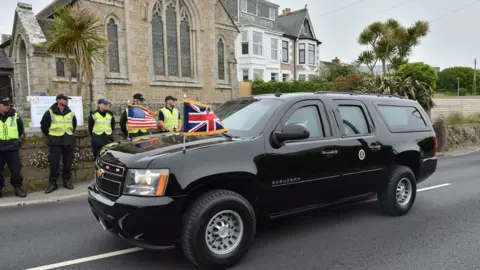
[{"x": 440, "y": 232}]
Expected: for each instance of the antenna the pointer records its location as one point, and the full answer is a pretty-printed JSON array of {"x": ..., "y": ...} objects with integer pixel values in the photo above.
[{"x": 277, "y": 93}]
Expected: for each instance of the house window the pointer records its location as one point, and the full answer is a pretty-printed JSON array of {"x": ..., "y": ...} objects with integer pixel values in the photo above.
[
  {"x": 177, "y": 61},
  {"x": 60, "y": 68},
  {"x": 252, "y": 7},
  {"x": 258, "y": 74},
  {"x": 257, "y": 43},
  {"x": 244, "y": 42},
  {"x": 274, "y": 48},
  {"x": 285, "y": 77},
  {"x": 284, "y": 51},
  {"x": 301, "y": 53},
  {"x": 243, "y": 5},
  {"x": 301, "y": 77},
  {"x": 112, "y": 36},
  {"x": 272, "y": 14},
  {"x": 221, "y": 60},
  {"x": 245, "y": 74},
  {"x": 311, "y": 54},
  {"x": 274, "y": 76}
]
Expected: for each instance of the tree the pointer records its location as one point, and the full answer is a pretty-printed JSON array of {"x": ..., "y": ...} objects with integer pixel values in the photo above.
[
  {"x": 333, "y": 71},
  {"x": 420, "y": 72},
  {"x": 447, "y": 78},
  {"x": 351, "y": 82},
  {"x": 77, "y": 31},
  {"x": 389, "y": 42}
]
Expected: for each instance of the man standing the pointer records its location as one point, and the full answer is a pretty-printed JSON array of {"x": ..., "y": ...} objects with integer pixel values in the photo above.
[
  {"x": 11, "y": 129},
  {"x": 58, "y": 124},
  {"x": 137, "y": 100},
  {"x": 169, "y": 117},
  {"x": 101, "y": 124}
]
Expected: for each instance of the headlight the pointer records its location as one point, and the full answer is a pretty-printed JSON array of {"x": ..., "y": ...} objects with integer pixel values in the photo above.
[{"x": 146, "y": 182}]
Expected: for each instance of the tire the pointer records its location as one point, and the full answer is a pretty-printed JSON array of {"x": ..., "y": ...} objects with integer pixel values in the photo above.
[
  {"x": 199, "y": 215},
  {"x": 389, "y": 203}
]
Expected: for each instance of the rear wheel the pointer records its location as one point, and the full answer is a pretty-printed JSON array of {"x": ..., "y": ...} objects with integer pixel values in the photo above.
[
  {"x": 398, "y": 196},
  {"x": 218, "y": 229}
]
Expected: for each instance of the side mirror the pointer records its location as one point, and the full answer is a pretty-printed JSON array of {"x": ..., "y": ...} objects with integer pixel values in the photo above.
[{"x": 291, "y": 132}]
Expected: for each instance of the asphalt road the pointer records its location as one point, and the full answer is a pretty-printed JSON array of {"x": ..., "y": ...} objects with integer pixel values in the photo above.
[{"x": 442, "y": 231}]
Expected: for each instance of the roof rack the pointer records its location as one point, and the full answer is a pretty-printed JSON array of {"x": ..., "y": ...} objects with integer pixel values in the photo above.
[{"x": 356, "y": 92}]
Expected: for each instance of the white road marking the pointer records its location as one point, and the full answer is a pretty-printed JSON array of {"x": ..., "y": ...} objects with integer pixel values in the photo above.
[
  {"x": 87, "y": 259},
  {"x": 131, "y": 250}
]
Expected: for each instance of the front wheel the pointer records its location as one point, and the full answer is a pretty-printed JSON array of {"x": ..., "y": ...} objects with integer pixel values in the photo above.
[
  {"x": 399, "y": 194},
  {"x": 218, "y": 229}
]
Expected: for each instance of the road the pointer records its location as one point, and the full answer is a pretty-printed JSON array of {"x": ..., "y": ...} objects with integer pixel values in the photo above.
[{"x": 441, "y": 232}]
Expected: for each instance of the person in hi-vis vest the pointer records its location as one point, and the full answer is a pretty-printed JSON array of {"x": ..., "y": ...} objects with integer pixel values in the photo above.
[
  {"x": 169, "y": 117},
  {"x": 11, "y": 132},
  {"x": 137, "y": 100},
  {"x": 101, "y": 125},
  {"x": 58, "y": 124}
]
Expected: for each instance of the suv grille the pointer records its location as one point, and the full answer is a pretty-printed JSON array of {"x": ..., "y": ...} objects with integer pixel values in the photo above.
[{"x": 111, "y": 179}]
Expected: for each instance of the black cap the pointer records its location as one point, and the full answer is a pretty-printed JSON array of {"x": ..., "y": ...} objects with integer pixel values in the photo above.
[
  {"x": 5, "y": 101},
  {"x": 103, "y": 101},
  {"x": 63, "y": 96},
  {"x": 138, "y": 96},
  {"x": 170, "y": 98}
]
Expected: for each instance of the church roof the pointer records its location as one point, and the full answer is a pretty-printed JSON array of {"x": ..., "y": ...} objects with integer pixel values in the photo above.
[{"x": 5, "y": 62}]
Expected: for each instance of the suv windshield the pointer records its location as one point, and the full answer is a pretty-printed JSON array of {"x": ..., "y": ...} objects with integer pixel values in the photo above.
[{"x": 247, "y": 117}]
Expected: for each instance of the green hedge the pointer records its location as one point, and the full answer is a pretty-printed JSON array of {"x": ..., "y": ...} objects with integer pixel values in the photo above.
[{"x": 260, "y": 87}]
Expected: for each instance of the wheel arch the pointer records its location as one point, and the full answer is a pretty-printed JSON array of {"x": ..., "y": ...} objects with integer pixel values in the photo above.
[{"x": 410, "y": 159}]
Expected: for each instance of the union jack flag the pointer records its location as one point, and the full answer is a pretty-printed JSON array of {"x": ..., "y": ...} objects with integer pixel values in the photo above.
[
  {"x": 140, "y": 118},
  {"x": 200, "y": 119}
]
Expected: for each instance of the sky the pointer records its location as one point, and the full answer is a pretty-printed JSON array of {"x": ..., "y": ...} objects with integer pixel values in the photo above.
[{"x": 337, "y": 23}]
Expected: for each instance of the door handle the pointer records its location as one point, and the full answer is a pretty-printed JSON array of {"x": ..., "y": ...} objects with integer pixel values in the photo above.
[
  {"x": 375, "y": 146},
  {"x": 329, "y": 152}
]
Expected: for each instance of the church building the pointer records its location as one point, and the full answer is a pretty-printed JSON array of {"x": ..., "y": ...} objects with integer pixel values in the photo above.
[{"x": 156, "y": 47}]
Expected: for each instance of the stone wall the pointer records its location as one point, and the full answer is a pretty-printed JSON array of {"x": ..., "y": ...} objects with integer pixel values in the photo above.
[{"x": 453, "y": 136}]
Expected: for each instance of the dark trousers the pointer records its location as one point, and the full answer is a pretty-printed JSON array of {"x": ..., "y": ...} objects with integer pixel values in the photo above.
[
  {"x": 98, "y": 143},
  {"x": 55, "y": 153},
  {"x": 12, "y": 159}
]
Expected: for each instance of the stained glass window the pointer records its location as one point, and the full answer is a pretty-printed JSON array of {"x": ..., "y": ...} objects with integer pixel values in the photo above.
[
  {"x": 157, "y": 40},
  {"x": 112, "y": 36},
  {"x": 172, "y": 39},
  {"x": 185, "y": 46},
  {"x": 221, "y": 60}
]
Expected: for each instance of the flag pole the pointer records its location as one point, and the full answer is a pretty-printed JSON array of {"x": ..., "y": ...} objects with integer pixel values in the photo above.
[{"x": 184, "y": 150}]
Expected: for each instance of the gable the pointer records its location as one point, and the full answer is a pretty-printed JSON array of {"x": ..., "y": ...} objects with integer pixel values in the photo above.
[
  {"x": 306, "y": 30},
  {"x": 309, "y": 26},
  {"x": 223, "y": 18}
]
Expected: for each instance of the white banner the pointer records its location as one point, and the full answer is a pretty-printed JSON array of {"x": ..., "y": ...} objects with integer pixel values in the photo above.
[{"x": 40, "y": 104}]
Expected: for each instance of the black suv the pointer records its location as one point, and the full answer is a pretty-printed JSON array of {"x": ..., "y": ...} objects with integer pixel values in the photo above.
[{"x": 282, "y": 154}]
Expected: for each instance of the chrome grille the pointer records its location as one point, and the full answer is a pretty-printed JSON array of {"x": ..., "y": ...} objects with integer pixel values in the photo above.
[{"x": 110, "y": 181}]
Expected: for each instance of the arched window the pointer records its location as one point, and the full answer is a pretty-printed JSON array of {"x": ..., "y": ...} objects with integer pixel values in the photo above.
[
  {"x": 220, "y": 60},
  {"x": 171, "y": 30},
  {"x": 112, "y": 36}
]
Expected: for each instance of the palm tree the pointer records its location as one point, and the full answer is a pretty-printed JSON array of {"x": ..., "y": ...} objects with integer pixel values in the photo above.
[
  {"x": 76, "y": 31},
  {"x": 367, "y": 58}
]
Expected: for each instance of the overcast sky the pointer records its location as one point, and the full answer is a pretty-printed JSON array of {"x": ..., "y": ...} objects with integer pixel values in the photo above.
[{"x": 453, "y": 40}]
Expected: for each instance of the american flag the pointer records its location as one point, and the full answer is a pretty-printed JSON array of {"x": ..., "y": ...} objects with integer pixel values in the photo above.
[
  {"x": 200, "y": 119},
  {"x": 140, "y": 118}
]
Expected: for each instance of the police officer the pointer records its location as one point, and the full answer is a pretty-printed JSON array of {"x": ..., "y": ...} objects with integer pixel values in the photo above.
[
  {"x": 11, "y": 130},
  {"x": 101, "y": 124},
  {"x": 137, "y": 100},
  {"x": 169, "y": 117},
  {"x": 58, "y": 124}
]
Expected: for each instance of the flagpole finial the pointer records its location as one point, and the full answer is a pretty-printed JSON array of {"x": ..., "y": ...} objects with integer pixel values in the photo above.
[{"x": 277, "y": 93}]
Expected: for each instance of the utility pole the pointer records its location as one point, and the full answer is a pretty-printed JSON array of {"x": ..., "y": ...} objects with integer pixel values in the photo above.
[
  {"x": 458, "y": 86},
  {"x": 475, "y": 77}
]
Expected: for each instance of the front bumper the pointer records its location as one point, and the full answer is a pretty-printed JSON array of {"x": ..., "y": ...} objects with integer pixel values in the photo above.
[{"x": 150, "y": 223}]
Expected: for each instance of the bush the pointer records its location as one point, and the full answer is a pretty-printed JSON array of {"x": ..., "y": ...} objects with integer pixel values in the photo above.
[
  {"x": 420, "y": 72},
  {"x": 457, "y": 118},
  {"x": 260, "y": 87},
  {"x": 351, "y": 82}
]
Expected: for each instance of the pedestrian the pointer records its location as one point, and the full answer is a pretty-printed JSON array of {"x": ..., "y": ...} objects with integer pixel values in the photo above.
[
  {"x": 11, "y": 130},
  {"x": 101, "y": 125},
  {"x": 169, "y": 117},
  {"x": 138, "y": 99},
  {"x": 59, "y": 124}
]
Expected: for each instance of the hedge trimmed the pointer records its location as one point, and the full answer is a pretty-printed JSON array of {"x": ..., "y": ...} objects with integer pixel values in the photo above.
[{"x": 260, "y": 87}]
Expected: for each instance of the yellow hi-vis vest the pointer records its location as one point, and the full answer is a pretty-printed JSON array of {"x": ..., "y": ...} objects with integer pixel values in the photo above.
[
  {"x": 9, "y": 129},
  {"x": 133, "y": 131},
  {"x": 61, "y": 124},
  {"x": 102, "y": 124},
  {"x": 171, "y": 117}
]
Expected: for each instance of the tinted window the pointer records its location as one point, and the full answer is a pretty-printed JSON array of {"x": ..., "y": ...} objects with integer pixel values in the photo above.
[
  {"x": 354, "y": 120},
  {"x": 309, "y": 117},
  {"x": 247, "y": 117},
  {"x": 400, "y": 117}
]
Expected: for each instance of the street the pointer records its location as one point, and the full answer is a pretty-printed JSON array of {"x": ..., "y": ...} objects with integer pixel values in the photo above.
[{"x": 440, "y": 232}]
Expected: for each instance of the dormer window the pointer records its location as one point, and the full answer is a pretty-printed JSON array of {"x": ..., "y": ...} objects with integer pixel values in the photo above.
[
  {"x": 249, "y": 6},
  {"x": 272, "y": 14}
]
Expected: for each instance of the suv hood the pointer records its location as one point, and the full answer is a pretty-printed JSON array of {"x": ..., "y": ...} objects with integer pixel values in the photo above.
[{"x": 140, "y": 151}]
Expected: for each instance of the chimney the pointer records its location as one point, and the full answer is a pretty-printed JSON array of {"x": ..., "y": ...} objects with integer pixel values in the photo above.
[
  {"x": 4, "y": 38},
  {"x": 286, "y": 11},
  {"x": 336, "y": 60}
]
